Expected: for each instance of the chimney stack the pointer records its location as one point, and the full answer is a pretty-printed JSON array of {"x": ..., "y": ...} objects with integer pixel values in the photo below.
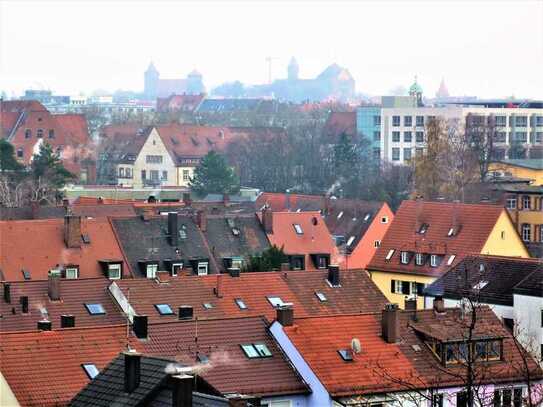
[
  {"x": 410, "y": 304},
  {"x": 24, "y": 304},
  {"x": 139, "y": 326},
  {"x": 217, "y": 289},
  {"x": 44, "y": 325},
  {"x": 186, "y": 312},
  {"x": 53, "y": 285},
  {"x": 187, "y": 201},
  {"x": 333, "y": 275},
  {"x": 67, "y": 321},
  {"x": 439, "y": 305},
  {"x": 201, "y": 220},
  {"x": 390, "y": 323},
  {"x": 72, "y": 231},
  {"x": 7, "y": 293},
  {"x": 267, "y": 220},
  {"x": 132, "y": 362},
  {"x": 183, "y": 386},
  {"x": 173, "y": 230},
  {"x": 234, "y": 272},
  {"x": 285, "y": 315},
  {"x": 418, "y": 213}
]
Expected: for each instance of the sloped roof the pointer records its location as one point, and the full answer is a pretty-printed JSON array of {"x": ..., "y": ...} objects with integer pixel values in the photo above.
[
  {"x": 183, "y": 102},
  {"x": 476, "y": 222},
  {"x": 339, "y": 123},
  {"x": 278, "y": 201},
  {"x": 381, "y": 366},
  {"x": 44, "y": 368},
  {"x": 75, "y": 127},
  {"x": 531, "y": 163},
  {"x": 356, "y": 294},
  {"x": 230, "y": 371},
  {"x": 498, "y": 275},
  {"x": 73, "y": 293},
  {"x": 532, "y": 284},
  {"x": 100, "y": 210},
  {"x": 22, "y": 247},
  {"x": 21, "y": 105}
]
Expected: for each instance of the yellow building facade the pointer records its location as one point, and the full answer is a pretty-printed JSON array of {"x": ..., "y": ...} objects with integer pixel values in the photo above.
[{"x": 531, "y": 169}]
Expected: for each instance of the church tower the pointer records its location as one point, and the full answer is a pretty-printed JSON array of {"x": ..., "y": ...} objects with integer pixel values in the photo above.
[
  {"x": 415, "y": 90},
  {"x": 442, "y": 92},
  {"x": 150, "y": 82},
  {"x": 293, "y": 69}
]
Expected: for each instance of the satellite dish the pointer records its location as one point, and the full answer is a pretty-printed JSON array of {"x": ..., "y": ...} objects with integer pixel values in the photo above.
[{"x": 355, "y": 345}]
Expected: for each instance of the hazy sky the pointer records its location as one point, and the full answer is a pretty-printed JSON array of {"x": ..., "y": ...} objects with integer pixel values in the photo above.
[{"x": 486, "y": 48}]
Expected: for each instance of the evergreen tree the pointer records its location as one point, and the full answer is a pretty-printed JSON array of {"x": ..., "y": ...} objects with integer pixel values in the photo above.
[
  {"x": 8, "y": 162},
  {"x": 269, "y": 260},
  {"x": 47, "y": 165},
  {"x": 346, "y": 165},
  {"x": 213, "y": 175}
]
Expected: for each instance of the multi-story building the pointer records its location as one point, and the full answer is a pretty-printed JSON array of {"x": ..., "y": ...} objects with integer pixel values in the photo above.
[{"x": 397, "y": 129}]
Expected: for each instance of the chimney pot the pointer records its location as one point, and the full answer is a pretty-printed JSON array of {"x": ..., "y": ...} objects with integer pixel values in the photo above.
[
  {"x": 139, "y": 326},
  {"x": 173, "y": 230},
  {"x": 44, "y": 325},
  {"x": 7, "y": 293},
  {"x": 53, "y": 285},
  {"x": 24, "y": 304},
  {"x": 132, "y": 362},
  {"x": 333, "y": 275},
  {"x": 186, "y": 312},
  {"x": 410, "y": 304},
  {"x": 183, "y": 386},
  {"x": 390, "y": 323},
  {"x": 72, "y": 231},
  {"x": 67, "y": 321},
  {"x": 267, "y": 220},
  {"x": 285, "y": 315}
]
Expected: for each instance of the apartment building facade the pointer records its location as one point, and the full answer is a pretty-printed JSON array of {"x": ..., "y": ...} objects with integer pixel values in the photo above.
[{"x": 397, "y": 128}]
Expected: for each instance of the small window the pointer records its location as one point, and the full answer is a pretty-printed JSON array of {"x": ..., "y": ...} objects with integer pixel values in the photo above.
[
  {"x": 423, "y": 228},
  {"x": 91, "y": 370},
  {"x": 240, "y": 303},
  {"x": 451, "y": 232},
  {"x": 202, "y": 269},
  {"x": 377, "y": 243},
  {"x": 72, "y": 273},
  {"x": 202, "y": 358},
  {"x": 39, "y": 133},
  {"x": 164, "y": 309},
  {"x": 208, "y": 305},
  {"x": 151, "y": 270},
  {"x": 384, "y": 219},
  {"x": 257, "y": 350},
  {"x": 451, "y": 259},
  {"x": 367, "y": 217},
  {"x": 298, "y": 229},
  {"x": 419, "y": 259},
  {"x": 339, "y": 215},
  {"x": 95, "y": 309},
  {"x": 28, "y": 133},
  {"x": 51, "y": 133},
  {"x": 434, "y": 260},
  {"x": 262, "y": 350},
  {"x": 480, "y": 285},
  {"x": 404, "y": 257},
  {"x": 276, "y": 301},
  {"x": 26, "y": 274},
  {"x": 321, "y": 296},
  {"x": 346, "y": 355},
  {"x": 19, "y": 153},
  {"x": 114, "y": 271},
  {"x": 350, "y": 241},
  {"x": 176, "y": 268},
  {"x": 389, "y": 254}
]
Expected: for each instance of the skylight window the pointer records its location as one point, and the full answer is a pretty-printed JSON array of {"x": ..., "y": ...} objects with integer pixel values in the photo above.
[
  {"x": 321, "y": 296},
  {"x": 346, "y": 355},
  {"x": 256, "y": 350},
  {"x": 298, "y": 229},
  {"x": 339, "y": 215},
  {"x": 451, "y": 232},
  {"x": 26, "y": 274},
  {"x": 91, "y": 370},
  {"x": 350, "y": 241},
  {"x": 366, "y": 218},
  {"x": 451, "y": 259},
  {"x": 202, "y": 358},
  {"x": 240, "y": 303},
  {"x": 207, "y": 305},
  {"x": 95, "y": 309},
  {"x": 480, "y": 285},
  {"x": 164, "y": 309},
  {"x": 423, "y": 228},
  {"x": 389, "y": 254},
  {"x": 276, "y": 301}
]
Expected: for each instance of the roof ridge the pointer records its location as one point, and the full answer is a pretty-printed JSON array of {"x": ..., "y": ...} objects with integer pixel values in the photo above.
[{"x": 76, "y": 328}]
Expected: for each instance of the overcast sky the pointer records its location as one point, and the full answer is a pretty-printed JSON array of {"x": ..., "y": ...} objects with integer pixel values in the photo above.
[{"x": 486, "y": 48}]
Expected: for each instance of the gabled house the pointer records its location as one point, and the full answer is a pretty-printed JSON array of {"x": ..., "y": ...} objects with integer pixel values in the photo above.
[
  {"x": 512, "y": 287},
  {"x": 171, "y": 242},
  {"x": 427, "y": 238},
  {"x": 303, "y": 236},
  {"x": 417, "y": 357},
  {"x": 72, "y": 247}
]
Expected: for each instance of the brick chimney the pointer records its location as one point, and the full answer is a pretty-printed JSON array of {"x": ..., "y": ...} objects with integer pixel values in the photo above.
[
  {"x": 285, "y": 315},
  {"x": 132, "y": 363},
  {"x": 44, "y": 325},
  {"x": 53, "y": 285},
  {"x": 418, "y": 213},
  {"x": 390, "y": 323},
  {"x": 267, "y": 220},
  {"x": 72, "y": 231},
  {"x": 201, "y": 220},
  {"x": 456, "y": 216},
  {"x": 173, "y": 229},
  {"x": 183, "y": 386}
]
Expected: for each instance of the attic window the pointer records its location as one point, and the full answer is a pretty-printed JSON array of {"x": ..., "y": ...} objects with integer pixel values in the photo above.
[
  {"x": 339, "y": 215},
  {"x": 85, "y": 238},
  {"x": 114, "y": 271},
  {"x": 350, "y": 241},
  {"x": 389, "y": 254},
  {"x": 72, "y": 272},
  {"x": 202, "y": 358},
  {"x": 404, "y": 257},
  {"x": 480, "y": 285},
  {"x": 240, "y": 303},
  {"x": 384, "y": 219},
  {"x": 451, "y": 259},
  {"x": 419, "y": 259},
  {"x": 91, "y": 370},
  {"x": 276, "y": 301},
  {"x": 434, "y": 260},
  {"x": 298, "y": 229},
  {"x": 256, "y": 350},
  {"x": 346, "y": 355},
  {"x": 321, "y": 296},
  {"x": 366, "y": 218},
  {"x": 26, "y": 274},
  {"x": 164, "y": 309},
  {"x": 95, "y": 309},
  {"x": 452, "y": 232},
  {"x": 423, "y": 228},
  {"x": 207, "y": 305}
]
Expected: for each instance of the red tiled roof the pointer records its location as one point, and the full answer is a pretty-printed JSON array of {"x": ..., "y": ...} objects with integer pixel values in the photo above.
[
  {"x": 476, "y": 222},
  {"x": 107, "y": 210},
  {"x": 73, "y": 293},
  {"x": 75, "y": 125},
  {"x": 7, "y": 122},
  {"x": 179, "y": 102},
  {"x": 278, "y": 201},
  {"x": 356, "y": 294},
  {"x": 339, "y": 123},
  {"x": 44, "y": 368},
  {"x": 231, "y": 371},
  {"x": 21, "y": 105},
  {"x": 22, "y": 247},
  {"x": 381, "y": 366}
]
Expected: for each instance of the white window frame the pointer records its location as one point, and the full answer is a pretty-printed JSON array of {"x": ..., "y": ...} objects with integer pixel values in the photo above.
[
  {"x": 526, "y": 199},
  {"x": 512, "y": 203},
  {"x": 404, "y": 259},
  {"x": 72, "y": 270},
  {"x": 275, "y": 301},
  {"x": 419, "y": 259},
  {"x": 351, "y": 240},
  {"x": 298, "y": 229},
  {"x": 526, "y": 232},
  {"x": 433, "y": 260},
  {"x": 389, "y": 254},
  {"x": 202, "y": 266},
  {"x": 451, "y": 259},
  {"x": 111, "y": 268},
  {"x": 174, "y": 265},
  {"x": 150, "y": 270},
  {"x": 376, "y": 243},
  {"x": 384, "y": 219}
]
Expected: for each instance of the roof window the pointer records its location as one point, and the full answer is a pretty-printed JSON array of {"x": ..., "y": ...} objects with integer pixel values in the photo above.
[
  {"x": 95, "y": 309},
  {"x": 276, "y": 301},
  {"x": 384, "y": 219},
  {"x": 350, "y": 241},
  {"x": 339, "y": 215},
  {"x": 256, "y": 350},
  {"x": 207, "y": 305},
  {"x": 346, "y": 355},
  {"x": 367, "y": 217},
  {"x": 91, "y": 370},
  {"x": 298, "y": 229},
  {"x": 86, "y": 238},
  {"x": 164, "y": 309},
  {"x": 240, "y": 303},
  {"x": 423, "y": 228},
  {"x": 389, "y": 254},
  {"x": 321, "y": 296},
  {"x": 452, "y": 232},
  {"x": 451, "y": 259},
  {"x": 202, "y": 358},
  {"x": 480, "y": 285},
  {"x": 26, "y": 274}
]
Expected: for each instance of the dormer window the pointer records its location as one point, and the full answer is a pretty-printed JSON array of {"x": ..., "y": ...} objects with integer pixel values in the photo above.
[
  {"x": 389, "y": 254},
  {"x": 451, "y": 353},
  {"x": 298, "y": 229},
  {"x": 419, "y": 259},
  {"x": 423, "y": 228},
  {"x": 72, "y": 273},
  {"x": 114, "y": 271},
  {"x": 451, "y": 259},
  {"x": 202, "y": 268},
  {"x": 176, "y": 268},
  {"x": 434, "y": 260},
  {"x": 151, "y": 270},
  {"x": 91, "y": 370},
  {"x": 404, "y": 259}
]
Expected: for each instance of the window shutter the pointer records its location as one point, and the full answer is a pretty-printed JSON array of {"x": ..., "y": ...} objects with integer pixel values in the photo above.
[
  {"x": 393, "y": 286},
  {"x": 405, "y": 287}
]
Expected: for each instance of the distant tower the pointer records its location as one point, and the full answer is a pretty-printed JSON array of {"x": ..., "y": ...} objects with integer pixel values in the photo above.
[
  {"x": 293, "y": 69},
  {"x": 150, "y": 82},
  {"x": 415, "y": 90},
  {"x": 195, "y": 85},
  {"x": 442, "y": 92}
]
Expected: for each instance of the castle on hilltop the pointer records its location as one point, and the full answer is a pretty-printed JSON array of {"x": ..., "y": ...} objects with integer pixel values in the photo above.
[{"x": 155, "y": 87}]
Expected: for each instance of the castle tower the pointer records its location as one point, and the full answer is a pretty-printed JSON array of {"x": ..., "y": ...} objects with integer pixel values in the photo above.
[
  {"x": 442, "y": 92},
  {"x": 150, "y": 82},
  {"x": 415, "y": 90},
  {"x": 293, "y": 69},
  {"x": 195, "y": 84}
]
